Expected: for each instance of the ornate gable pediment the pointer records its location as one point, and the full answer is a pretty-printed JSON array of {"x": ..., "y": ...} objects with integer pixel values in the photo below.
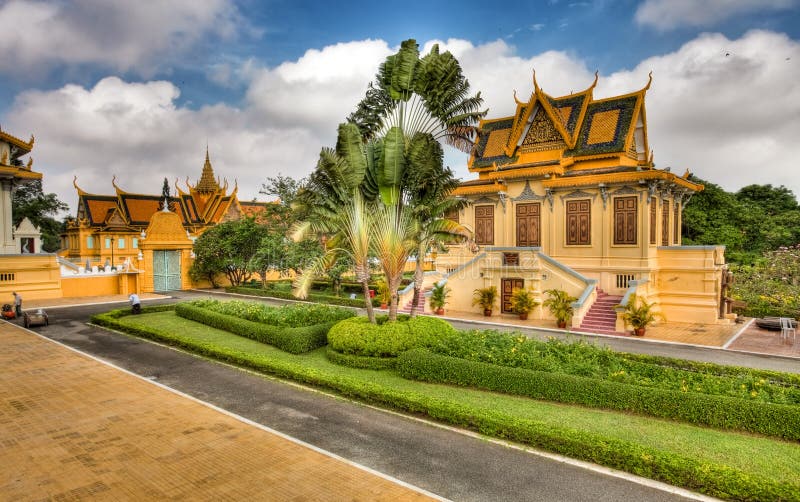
[
  {"x": 542, "y": 134},
  {"x": 115, "y": 219},
  {"x": 233, "y": 212}
]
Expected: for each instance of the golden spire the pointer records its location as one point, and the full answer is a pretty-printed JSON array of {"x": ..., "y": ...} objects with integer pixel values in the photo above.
[{"x": 207, "y": 183}]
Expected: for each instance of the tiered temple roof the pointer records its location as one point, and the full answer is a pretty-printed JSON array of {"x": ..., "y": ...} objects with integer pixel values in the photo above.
[
  {"x": 206, "y": 203},
  {"x": 566, "y": 141}
]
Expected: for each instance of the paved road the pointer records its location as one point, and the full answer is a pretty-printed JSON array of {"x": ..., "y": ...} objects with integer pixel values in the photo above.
[{"x": 445, "y": 462}]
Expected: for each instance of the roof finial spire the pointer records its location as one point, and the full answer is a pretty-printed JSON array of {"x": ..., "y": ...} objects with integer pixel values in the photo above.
[
  {"x": 535, "y": 84},
  {"x": 596, "y": 74},
  {"x": 207, "y": 183},
  {"x": 649, "y": 80}
]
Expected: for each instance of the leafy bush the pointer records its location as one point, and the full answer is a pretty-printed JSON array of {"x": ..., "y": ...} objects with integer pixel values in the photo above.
[
  {"x": 363, "y": 362},
  {"x": 770, "y": 287},
  {"x": 716, "y": 411},
  {"x": 312, "y": 296},
  {"x": 386, "y": 339},
  {"x": 293, "y": 316},
  {"x": 583, "y": 359},
  {"x": 293, "y": 340}
]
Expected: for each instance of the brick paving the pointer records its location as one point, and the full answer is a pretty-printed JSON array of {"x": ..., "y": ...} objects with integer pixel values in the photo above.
[{"x": 73, "y": 428}]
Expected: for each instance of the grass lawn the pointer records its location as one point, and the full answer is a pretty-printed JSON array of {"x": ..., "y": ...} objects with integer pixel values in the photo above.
[{"x": 762, "y": 457}]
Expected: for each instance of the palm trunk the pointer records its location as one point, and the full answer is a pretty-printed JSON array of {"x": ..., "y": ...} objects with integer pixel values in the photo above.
[
  {"x": 368, "y": 302},
  {"x": 419, "y": 277},
  {"x": 394, "y": 283},
  {"x": 362, "y": 274}
]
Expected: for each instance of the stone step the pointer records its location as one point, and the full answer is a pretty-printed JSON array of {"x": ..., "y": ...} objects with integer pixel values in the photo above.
[{"x": 598, "y": 325}]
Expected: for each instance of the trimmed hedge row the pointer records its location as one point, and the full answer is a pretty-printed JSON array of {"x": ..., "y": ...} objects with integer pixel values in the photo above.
[
  {"x": 777, "y": 420},
  {"x": 293, "y": 340},
  {"x": 786, "y": 379},
  {"x": 679, "y": 470},
  {"x": 358, "y": 336},
  {"x": 312, "y": 296},
  {"x": 361, "y": 362}
]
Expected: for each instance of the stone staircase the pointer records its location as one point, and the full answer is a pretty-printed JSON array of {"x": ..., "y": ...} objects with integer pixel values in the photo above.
[
  {"x": 406, "y": 309},
  {"x": 601, "y": 317}
]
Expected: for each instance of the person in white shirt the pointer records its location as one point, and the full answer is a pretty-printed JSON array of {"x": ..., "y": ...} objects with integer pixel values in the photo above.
[{"x": 136, "y": 304}]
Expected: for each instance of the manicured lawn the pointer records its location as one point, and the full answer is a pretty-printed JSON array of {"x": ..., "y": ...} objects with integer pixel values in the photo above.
[{"x": 770, "y": 459}]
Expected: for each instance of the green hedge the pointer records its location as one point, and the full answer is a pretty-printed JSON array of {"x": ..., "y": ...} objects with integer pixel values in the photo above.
[
  {"x": 679, "y": 470},
  {"x": 362, "y": 362},
  {"x": 293, "y": 315},
  {"x": 312, "y": 296},
  {"x": 589, "y": 360},
  {"x": 777, "y": 420},
  {"x": 386, "y": 339},
  {"x": 293, "y": 340}
]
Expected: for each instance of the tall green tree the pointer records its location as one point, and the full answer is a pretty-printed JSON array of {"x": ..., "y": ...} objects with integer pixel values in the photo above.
[
  {"x": 228, "y": 248},
  {"x": 750, "y": 222},
  {"x": 349, "y": 228},
  {"x": 392, "y": 138},
  {"x": 30, "y": 201}
]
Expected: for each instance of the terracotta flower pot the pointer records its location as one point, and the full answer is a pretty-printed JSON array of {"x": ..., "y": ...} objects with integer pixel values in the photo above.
[
  {"x": 440, "y": 311},
  {"x": 561, "y": 324},
  {"x": 384, "y": 305},
  {"x": 523, "y": 317},
  {"x": 638, "y": 331},
  {"x": 487, "y": 312}
]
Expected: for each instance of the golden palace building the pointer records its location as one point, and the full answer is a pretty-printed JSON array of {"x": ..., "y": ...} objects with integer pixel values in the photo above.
[
  {"x": 567, "y": 197},
  {"x": 116, "y": 244},
  {"x": 146, "y": 234}
]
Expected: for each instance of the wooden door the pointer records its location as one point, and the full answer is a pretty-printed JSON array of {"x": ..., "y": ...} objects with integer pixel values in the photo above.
[
  {"x": 484, "y": 225},
  {"x": 508, "y": 287},
  {"x": 529, "y": 224}
]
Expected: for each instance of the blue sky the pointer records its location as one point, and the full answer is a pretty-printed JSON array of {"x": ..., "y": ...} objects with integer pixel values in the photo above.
[{"x": 136, "y": 90}]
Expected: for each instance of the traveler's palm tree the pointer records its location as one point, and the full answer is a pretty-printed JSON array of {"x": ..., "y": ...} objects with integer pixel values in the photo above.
[
  {"x": 393, "y": 242},
  {"x": 349, "y": 226}
]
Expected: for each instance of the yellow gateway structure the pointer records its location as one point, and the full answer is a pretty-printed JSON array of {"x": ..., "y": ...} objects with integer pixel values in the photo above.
[{"x": 568, "y": 197}]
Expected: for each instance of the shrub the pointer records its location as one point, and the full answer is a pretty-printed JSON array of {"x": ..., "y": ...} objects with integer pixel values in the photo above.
[
  {"x": 293, "y": 340},
  {"x": 716, "y": 411},
  {"x": 386, "y": 339},
  {"x": 312, "y": 296},
  {"x": 583, "y": 359},
  {"x": 293, "y": 316},
  {"x": 362, "y": 362}
]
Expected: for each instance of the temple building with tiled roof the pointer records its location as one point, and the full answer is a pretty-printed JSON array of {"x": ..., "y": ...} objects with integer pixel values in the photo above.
[
  {"x": 110, "y": 227},
  {"x": 567, "y": 196}
]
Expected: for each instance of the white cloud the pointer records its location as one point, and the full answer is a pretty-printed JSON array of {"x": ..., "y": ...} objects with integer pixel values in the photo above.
[
  {"x": 117, "y": 34},
  {"x": 321, "y": 88},
  {"x": 670, "y": 14},
  {"x": 732, "y": 120},
  {"x": 136, "y": 132}
]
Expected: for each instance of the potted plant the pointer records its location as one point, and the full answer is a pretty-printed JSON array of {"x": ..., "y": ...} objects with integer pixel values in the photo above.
[
  {"x": 639, "y": 314},
  {"x": 559, "y": 303},
  {"x": 439, "y": 295},
  {"x": 522, "y": 302},
  {"x": 485, "y": 298},
  {"x": 383, "y": 292}
]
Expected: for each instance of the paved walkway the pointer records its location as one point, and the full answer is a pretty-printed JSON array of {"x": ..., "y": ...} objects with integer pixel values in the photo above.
[
  {"x": 73, "y": 428},
  {"x": 85, "y": 300}
]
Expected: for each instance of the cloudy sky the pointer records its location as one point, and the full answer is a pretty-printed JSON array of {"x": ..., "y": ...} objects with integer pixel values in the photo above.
[{"x": 137, "y": 89}]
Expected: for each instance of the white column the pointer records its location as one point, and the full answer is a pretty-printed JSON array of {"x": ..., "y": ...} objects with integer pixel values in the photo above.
[{"x": 7, "y": 245}]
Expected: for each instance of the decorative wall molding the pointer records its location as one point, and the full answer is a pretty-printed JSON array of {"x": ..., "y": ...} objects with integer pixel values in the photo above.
[{"x": 528, "y": 194}]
